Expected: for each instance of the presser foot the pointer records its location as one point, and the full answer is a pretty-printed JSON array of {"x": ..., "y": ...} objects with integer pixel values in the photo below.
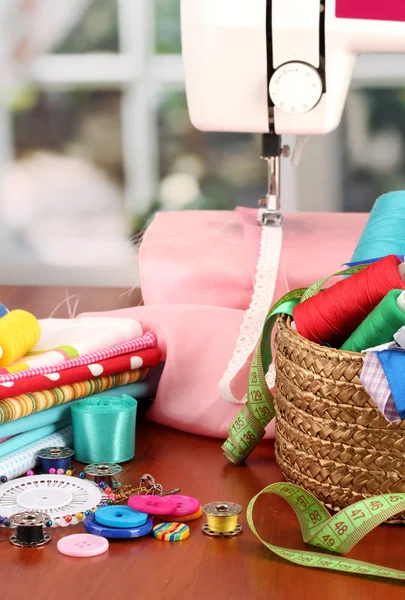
[{"x": 270, "y": 218}]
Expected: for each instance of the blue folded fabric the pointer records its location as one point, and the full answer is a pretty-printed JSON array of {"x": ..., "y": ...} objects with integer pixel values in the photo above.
[
  {"x": 140, "y": 391},
  {"x": 23, "y": 439},
  {"x": 393, "y": 364}
]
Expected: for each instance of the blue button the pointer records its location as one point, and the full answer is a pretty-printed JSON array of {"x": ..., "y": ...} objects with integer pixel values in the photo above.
[
  {"x": 95, "y": 528},
  {"x": 120, "y": 516}
]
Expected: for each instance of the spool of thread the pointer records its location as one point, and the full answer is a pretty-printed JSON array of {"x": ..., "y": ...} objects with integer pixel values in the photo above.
[
  {"x": 380, "y": 325},
  {"x": 19, "y": 333},
  {"x": 222, "y": 519},
  {"x": 332, "y": 315},
  {"x": 57, "y": 457},
  {"x": 384, "y": 231},
  {"x": 30, "y": 529},
  {"x": 105, "y": 472},
  {"x": 104, "y": 429}
]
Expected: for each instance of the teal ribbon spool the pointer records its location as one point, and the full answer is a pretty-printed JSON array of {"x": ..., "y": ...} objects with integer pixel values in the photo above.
[{"x": 104, "y": 429}]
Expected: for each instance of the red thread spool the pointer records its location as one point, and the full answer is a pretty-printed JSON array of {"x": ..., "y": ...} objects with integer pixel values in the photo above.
[{"x": 332, "y": 315}]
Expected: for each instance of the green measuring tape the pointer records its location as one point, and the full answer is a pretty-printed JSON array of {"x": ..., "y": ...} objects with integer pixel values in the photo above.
[
  {"x": 338, "y": 533},
  {"x": 250, "y": 425}
]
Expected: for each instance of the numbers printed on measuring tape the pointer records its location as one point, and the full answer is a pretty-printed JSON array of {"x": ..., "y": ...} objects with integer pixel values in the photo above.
[
  {"x": 255, "y": 396},
  {"x": 337, "y": 533},
  {"x": 329, "y": 540},
  {"x": 262, "y": 411},
  {"x": 315, "y": 516},
  {"x": 248, "y": 438},
  {"x": 341, "y": 528},
  {"x": 305, "y": 559},
  {"x": 253, "y": 377},
  {"x": 394, "y": 499},
  {"x": 375, "y": 506},
  {"x": 288, "y": 491},
  {"x": 302, "y": 501},
  {"x": 325, "y": 563},
  {"x": 355, "y": 515},
  {"x": 238, "y": 424}
]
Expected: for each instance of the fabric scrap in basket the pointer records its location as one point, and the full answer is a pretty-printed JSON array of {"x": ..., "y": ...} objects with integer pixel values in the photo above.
[{"x": 376, "y": 385}]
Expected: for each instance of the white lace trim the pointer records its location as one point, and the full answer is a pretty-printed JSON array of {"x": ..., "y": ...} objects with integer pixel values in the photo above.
[{"x": 254, "y": 317}]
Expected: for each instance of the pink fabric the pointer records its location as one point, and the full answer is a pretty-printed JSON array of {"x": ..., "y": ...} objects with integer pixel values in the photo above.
[{"x": 197, "y": 273}]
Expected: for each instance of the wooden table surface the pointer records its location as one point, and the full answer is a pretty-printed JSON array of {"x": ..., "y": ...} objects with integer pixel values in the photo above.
[{"x": 199, "y": 567}]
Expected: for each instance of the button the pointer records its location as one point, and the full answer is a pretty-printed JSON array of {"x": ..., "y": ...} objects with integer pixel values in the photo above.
[
  {"x": 186, "y": 519},
  {"x": 120, "y": 516},
  {"x": 82, "y": 545},
  {"x": 153, "y": 505},
  {"x": 185, "y": 505},
  {"x": 171, "y": 532},
  {"x": 92, "y": 526}
]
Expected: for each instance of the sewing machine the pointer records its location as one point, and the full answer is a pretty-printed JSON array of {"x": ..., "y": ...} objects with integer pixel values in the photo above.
[{"x": 279, "y": 67}]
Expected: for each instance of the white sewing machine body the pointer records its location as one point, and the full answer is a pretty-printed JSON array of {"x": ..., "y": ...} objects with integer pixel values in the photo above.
[{"x": 280, "y": 66}]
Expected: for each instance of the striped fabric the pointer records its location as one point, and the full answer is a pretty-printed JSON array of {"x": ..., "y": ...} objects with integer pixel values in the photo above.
[
  {"x": 142, "y": 343},
  {"x": 26, "y": 404}
]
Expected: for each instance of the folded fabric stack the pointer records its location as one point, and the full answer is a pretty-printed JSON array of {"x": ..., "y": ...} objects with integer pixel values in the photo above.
[{"x": 73, "y": 359}]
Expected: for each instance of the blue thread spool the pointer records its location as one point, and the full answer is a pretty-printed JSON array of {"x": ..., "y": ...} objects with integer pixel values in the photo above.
[
  {"x": 384, "y": 232},
  {"x": 3, "y": 311},
  {"x": 57, "y": 457}
]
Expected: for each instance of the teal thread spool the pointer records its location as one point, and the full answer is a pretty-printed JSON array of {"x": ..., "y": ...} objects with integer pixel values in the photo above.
[
  {"x": 104, "y": 429},
  {"x": 380, "y": 325},
  {"x": 384, "y": 232}
]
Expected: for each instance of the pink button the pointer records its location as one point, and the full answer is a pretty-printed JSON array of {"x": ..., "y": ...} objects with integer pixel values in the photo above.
[
  {"x": 82, "y": 545},
  {"x": 153, "y": 505},
  {"x": 184, "y": 505}
]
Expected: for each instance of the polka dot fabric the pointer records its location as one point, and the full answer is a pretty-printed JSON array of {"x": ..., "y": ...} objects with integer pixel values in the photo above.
[{"x": 132, "y": 361}]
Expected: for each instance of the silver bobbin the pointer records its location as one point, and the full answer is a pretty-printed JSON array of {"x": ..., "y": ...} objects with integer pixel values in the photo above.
[
  {"x": 29, "y": 518},
  {"x": 56, "y": 452},
  {"x": 103, "y": 472},
  {"x": 221, "y": 510}
]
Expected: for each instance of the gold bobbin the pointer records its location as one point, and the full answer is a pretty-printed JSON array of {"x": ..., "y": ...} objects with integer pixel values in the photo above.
[{"x": 222, "y": 519}]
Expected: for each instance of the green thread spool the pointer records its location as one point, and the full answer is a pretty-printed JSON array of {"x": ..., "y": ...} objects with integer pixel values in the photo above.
[
  {"x": 104, "y": 429},
  {"x": 380, "y": 325}
]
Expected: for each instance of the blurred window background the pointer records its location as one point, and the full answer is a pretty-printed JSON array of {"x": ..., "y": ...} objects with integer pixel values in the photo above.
[{"x": 95, "y": 137}]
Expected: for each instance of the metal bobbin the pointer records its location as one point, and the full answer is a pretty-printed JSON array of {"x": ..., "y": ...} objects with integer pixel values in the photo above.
[
  {"x": 30, "y": 529},
  {"x": 56, "y": 457},
  {"x": 103, "y": 472},
  {"x": 222, "y": 519}
]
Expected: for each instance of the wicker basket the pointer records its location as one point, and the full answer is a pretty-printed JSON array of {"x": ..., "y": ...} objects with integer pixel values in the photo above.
[{"x": 330, "y": 437}]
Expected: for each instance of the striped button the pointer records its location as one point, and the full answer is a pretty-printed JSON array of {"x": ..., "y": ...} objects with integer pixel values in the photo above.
[{"x": 171, "y": 532}]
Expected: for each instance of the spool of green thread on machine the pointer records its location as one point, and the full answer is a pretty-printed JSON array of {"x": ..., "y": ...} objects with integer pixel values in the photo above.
[
  {"x": 380, "y": 325},
  {"x": 104, "y": 429}
]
